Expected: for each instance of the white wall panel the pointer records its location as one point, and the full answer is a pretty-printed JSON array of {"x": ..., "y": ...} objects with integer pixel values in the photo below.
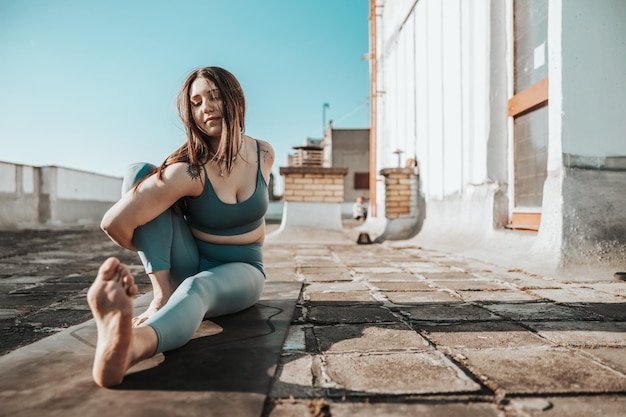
[
  {"x": 421, "y": 85},
  {"x": 434, "y": 69},
  {"x": 7, "y": 178},
  {"x": 451, "y": 91},
  {"x": 78, "y": 185},
  {"x": 28, "y": 179},
  {"x": 435, "y": 99}
]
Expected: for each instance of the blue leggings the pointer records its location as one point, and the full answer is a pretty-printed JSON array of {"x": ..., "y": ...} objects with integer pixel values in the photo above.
[{"x": 211, "y": 280}]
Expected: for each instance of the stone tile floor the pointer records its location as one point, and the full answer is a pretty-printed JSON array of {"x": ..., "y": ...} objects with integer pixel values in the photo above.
[
  {"x": 391, "y": 330},
  {"x": 378, "y": 330},
  {"x": 44, "y": 277}
]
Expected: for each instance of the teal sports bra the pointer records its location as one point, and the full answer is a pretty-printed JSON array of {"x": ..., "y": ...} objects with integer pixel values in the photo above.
[{"x": 211, "y": 215}]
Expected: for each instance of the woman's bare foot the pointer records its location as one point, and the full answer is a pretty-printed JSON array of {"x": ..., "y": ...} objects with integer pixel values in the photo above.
[
  {"x": 110, "y": 298},
  {"x": 155, "y": 305},
  {"x": 162, "y": 290}
]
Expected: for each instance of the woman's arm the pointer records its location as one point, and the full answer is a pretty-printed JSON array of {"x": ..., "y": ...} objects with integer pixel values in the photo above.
[{"x": 153, "y": 197}]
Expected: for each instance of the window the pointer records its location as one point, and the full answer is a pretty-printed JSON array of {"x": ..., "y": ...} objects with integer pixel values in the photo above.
[
  {"x": 361, "y": 180},
  {"x": 529, "y": 109}
]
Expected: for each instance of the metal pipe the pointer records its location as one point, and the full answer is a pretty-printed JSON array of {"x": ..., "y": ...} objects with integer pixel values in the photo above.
[{"x": 373, "y": 92}]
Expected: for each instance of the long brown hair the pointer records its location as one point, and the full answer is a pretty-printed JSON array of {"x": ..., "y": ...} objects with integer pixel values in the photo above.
[{"x": 197, "y": 151}]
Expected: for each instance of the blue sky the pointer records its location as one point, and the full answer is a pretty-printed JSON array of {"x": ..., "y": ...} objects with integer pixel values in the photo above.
[{"x": 92, "y": 85}]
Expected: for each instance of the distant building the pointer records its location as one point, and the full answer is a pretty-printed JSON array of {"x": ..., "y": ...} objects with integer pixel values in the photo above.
[
  {"x": 349, "y": 148},
  {"x": 340, "y": 148}
]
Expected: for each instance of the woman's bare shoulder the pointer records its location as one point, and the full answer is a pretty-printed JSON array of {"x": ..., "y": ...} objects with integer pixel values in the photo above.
[
  {"x": 266, "y": 151},
  {"x": 264, "y": 144},
  {"x": 184, "y": 177}
]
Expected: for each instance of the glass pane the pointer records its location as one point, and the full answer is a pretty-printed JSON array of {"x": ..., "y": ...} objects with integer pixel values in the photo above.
[
  {"x": 531, "y": 157},
  {"x": 531, "y": 46}
]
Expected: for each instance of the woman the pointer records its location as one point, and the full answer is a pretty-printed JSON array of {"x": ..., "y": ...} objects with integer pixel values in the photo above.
[{"x": 197, "y": 223}]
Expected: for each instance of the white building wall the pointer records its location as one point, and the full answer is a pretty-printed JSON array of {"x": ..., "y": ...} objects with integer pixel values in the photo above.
[
  {"x": 444, "y": 78},
  {"x": 454, "y": 56},
  {"x": 434, "y": 64}
]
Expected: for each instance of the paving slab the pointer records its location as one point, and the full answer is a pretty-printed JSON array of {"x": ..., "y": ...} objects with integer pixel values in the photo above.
[
  {"x": 529, "y": 311},
  {"x": 615, "y": 311},
  {"x": 214, "y": 374},
  {"x": 468, "y": 284},
  {"x": 295, "y": 377},
  {"x": 378, "y": 270},
  {"x": 423, "y": 267},
  {"x": 408, "y": 298},
  {"x": 521, "y": 280},
  {"x": 401, "y": 286},
  {"x": 574, "y": 294},
  {"x": 588, "y": 406},
  {"x": 373, "y": 409},
  {"x": 480, "y": 335},
  {"x": 449, "y": 312},
  {"x": 8, "y": 313},
  {"x": 583, "y": 333},
  {"x": 361, "y": 260},
  {"x": 613, "y": 357},
  {"x": 369, "y": 338},
  {"x": 618, "y": 288},
  {"x": 450, "y": 275},
  {"x": 350, "y": 297},
  {"x": 513, "y": 296},
  {"x": 395, "y": 277},
  {"x": 324, "y": 275},
  {"x": 533, "y": 370},
  {"x": 340, "y": 313},
  {"x": 344, "y": 291},
  {"x": 394, "y": 373},
  {"x": 343, "y": 287}
]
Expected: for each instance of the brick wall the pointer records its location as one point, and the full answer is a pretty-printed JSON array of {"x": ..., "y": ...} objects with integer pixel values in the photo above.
[
  {"x": 399, "y": 186},
  {"x": 314, "y": 184}
]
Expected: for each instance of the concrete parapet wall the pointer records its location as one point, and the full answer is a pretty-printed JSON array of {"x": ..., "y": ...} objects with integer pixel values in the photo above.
[
  {"x": 312, "y": 202},
  {"x": 53, "y": 196},
  {"x": 19, "y": 195},
  {"x": 325, "y": 216},
  {"x": 313, "y": 184}
]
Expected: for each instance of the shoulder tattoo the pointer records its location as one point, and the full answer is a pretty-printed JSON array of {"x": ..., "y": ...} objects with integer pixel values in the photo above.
[
  {"x": 266, "y": 154},
  {"x": 193, "y": 171}
]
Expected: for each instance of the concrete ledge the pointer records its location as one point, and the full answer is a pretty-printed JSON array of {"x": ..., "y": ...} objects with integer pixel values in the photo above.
[
  {"x": 465, "y": 226},
  {"x": 317, "y": 215},
  {"x": 310, "y": 223}
]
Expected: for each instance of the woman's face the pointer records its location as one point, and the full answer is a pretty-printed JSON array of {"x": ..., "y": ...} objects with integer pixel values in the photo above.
[{"x": 206, "y": 106}]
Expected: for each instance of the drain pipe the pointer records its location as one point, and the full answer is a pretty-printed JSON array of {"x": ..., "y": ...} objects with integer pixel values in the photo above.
[{"x": 373, "y": 104}]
